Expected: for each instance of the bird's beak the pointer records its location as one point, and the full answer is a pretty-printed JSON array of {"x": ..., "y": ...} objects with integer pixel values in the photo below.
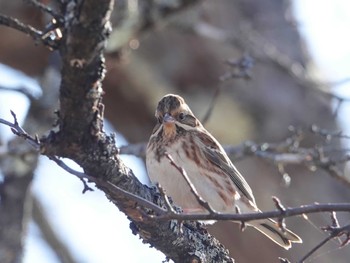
[{"x": 168, "y": 118}]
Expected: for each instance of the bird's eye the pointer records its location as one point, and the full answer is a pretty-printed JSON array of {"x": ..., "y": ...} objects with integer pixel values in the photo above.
[{"x": 182, "y": 116}]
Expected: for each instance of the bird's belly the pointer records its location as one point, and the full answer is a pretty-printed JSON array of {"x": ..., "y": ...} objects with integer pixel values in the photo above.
[{"x": 211, "y": 190}]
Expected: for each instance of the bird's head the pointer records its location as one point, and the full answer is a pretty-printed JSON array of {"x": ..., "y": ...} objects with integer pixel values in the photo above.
[{"x": 173, "y": 113}]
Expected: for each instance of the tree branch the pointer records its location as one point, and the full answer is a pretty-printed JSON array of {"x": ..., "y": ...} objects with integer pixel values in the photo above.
[
  {"x": 334, "y": 231},
  {"x": 44, "y": 8},
  {"x": 36, "y": 34}
]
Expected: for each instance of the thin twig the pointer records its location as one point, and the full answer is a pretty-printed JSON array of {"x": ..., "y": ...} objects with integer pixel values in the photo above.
[
  {"x": 284, "y": 260},
  {"x": 242, "y": 223},
  {"x": 289, "y": 212},
  {"x": 315, "y": 249},
  {"x": 44, "y": 8},
  {"x": 335, "y": 231},
  {"x": 212, "y": 104},
  {"x": 17, "y": 130},
  {"x": 328, "y": 135},
  {"x": 81, "y": 176},
  {"x": 240, "y": 69},
  {"x": 141, "y": 201},
  {"x": 36, "y": 34},
  {"x": 16, "y": 24},
  {"x": 281, "y": 220},
  {"x": 138, "y": 149},
  {"x": 166, "y": 199},
  {"x": 194, "y": 191},
  {"x": 118, "y": 190}
]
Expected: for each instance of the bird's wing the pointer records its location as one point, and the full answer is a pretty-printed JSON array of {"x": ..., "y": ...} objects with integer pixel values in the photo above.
[{"x": 217, "y": 155}]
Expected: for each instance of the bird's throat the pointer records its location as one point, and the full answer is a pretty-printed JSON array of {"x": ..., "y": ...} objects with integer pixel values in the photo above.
[{"x": 169, "y": 130}]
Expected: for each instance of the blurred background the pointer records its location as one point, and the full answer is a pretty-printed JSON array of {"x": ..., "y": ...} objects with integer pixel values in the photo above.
[{"x": 292, "y": 57}]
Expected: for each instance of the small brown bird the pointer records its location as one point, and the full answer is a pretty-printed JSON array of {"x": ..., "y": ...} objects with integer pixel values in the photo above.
[{"x": 180, "y": 134}]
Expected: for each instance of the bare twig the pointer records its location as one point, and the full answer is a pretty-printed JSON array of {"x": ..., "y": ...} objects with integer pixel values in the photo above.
[
  {"x": 138, "y": 149},
  {"x": 141, "y": 201},
  {"x": 281, "y": 208},
  {"x": 194, "y": 191},
  {"x": 16, "y": 24},
  {"x": 339, "y": 99},
  {"x": 315, "y": 249},
  {"x": 35, "y": 142},
  {"x": 168, "y": 205},
  {"x": 328, "y": 135},
  {"x": 80, "y": 175},
  {"x": 36, "y": 34},
  {"x": 284, "y": 260},
  {"x": 289, "y": 212},
  {"x": 240, "y": 69},
  {"x": 44, "y": 8},
  {"x": 16, "y": 129},
  {"x": 242, "y": 223},
  {"x": 335, "y": 231},
  {"x": 212, "y": 104}
]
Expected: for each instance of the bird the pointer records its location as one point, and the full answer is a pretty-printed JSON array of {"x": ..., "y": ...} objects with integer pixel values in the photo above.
[{"x": 180, "y": 135}]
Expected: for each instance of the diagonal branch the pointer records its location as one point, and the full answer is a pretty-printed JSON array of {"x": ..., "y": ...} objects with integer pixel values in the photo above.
[
  {"x": 16, "y": 24},
  {"x": 335, "y": 231},
  {"x": 44, "y": 8},
  {"x": 19, "y": 131},
  {"x": 194, "y": 191},
  {"x": 36, "y": 34}
]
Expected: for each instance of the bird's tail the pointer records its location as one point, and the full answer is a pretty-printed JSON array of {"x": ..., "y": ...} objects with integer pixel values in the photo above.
[{"x": 271, "y": 229}]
